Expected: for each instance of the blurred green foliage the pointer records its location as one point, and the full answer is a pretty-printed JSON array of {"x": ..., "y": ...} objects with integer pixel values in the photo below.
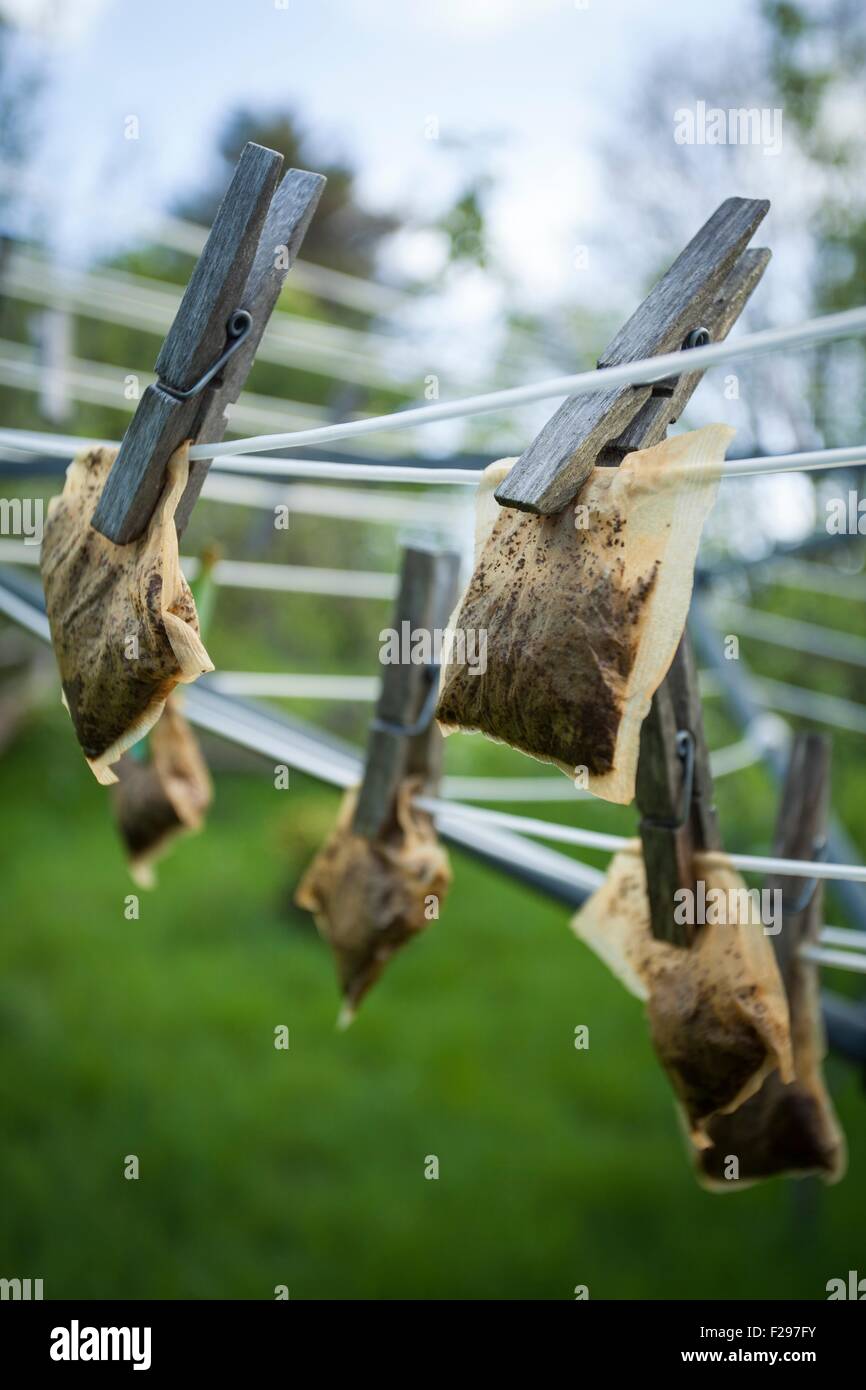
[
  {"x": 304, "y": 1167},
  {"x": 154, "y": 1037}
]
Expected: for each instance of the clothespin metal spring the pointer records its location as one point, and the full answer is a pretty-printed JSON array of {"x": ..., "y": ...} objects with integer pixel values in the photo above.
[
  {"x": 807, "y": 891},
  {"x": 238, "y": 328},
  {"x": 685, "y": 746},
  {"x": 696, "y": 338},
  {"x": 388, "y": 726}
]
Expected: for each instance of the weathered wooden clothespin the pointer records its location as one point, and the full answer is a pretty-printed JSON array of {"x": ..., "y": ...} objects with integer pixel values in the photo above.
[
  {"x": 801, "y": 833},
  {"x": 697, "y": 301},
  {"x": 404, "y": 738},
  {"x": 209, "y": 349},
  {"x": 674, "y": 793}
]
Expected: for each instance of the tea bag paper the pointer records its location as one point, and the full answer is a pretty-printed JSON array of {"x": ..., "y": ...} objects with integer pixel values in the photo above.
[
  {"x": 369, "y": 897},
  {"x": 582, "y": 611},
  {"x": 717, "y": 1010},
  {"x": 123, "y": 621},
  {"x": 158, "y": 799}
]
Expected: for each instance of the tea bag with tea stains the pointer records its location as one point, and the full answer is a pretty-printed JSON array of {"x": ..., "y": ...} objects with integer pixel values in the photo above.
[
  {"x": 123, "y": 621},
  {"x": 784, "y": 1129},
  {"x": 162, "y": 797},
  {"x": 581, "y": 612},
  {"x": 717, "y": 1009},
  {"x": 369, "y": 897}
]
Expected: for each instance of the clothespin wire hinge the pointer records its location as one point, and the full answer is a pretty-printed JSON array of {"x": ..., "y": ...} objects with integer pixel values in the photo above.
[
  {"x": 685, "y": 746},
  {"x": 695, "y": 338},
  {"x": 388, "y": 726},
  {"x": 806, "y": 893},
  {"x": 238, "y": 328}
]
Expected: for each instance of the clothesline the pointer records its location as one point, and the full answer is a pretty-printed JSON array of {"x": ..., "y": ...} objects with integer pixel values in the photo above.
[
  {"x": 851, "y": 323},
  {"x": 841, "y": 960},
  {"x": 298, "y": 685},
  {"x": 270, "y": 736},
  {"x": 602, "y": 840},
  {"x": 484, "y": 833},
  {"x": 815, "y": 578},
  {"x": 25, "y": 613},
  {"x": 793, "y": 633},
  {"x": 257, "y": 574},
  {"x": 233, "y": 462},
  {"x": 813, "y": 460},
  {"x": 134, "y": 301}
]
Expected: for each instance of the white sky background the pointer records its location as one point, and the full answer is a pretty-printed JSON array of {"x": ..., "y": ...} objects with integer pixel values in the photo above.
[
  {"x": 550, "y": 78},
  {"x": 364, "y": 75}
]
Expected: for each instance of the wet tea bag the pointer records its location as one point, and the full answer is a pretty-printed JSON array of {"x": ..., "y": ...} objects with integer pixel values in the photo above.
[
  {"x": 163, "y": 796},
  {"x": 578, "y": 615},
  {"x": 123, "y": 620},
  {"x": 789, "y": 1130},
  {"x": 717, "y": 1010},
  {"x": 369, "y": 897}
]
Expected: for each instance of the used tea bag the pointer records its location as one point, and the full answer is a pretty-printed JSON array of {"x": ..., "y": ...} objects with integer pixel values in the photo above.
[
  {"x": 369, "y": 897},
  {"x": 123, "y": 621},
  {"x": 581, "y": 612},
  {"x": 717, "y": 1010},
  {"x": 158, "y": 799},
  {"x": 784, "y": 1129}
]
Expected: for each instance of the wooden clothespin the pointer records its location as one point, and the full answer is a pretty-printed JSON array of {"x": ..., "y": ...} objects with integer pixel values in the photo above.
[
  {"x": 404, "y": 738},
  {"x": 674, "y": 793},
  {"x": 697, "y": 301},
  {"x": 209, "y": 349},
  {"x": 801, "y": 833}
]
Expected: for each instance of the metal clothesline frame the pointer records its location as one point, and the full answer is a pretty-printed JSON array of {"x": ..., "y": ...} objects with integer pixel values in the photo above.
[
  {"x": 651, "y": 370},
  {"x": 329, "y": 760}
]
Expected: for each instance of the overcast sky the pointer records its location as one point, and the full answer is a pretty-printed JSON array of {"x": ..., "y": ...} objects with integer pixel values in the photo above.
[
  {"x": 550, "y": 78},
  {"x": 365, "y": 75}
]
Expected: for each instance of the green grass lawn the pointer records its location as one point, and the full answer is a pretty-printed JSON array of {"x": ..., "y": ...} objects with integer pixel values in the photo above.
[{"x": 305, "y": 1167}]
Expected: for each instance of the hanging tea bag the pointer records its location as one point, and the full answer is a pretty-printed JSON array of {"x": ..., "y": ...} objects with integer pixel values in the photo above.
[
  {"x": 578, "y": 615},
  {"x": 789, "y": 1130},
  {"x": 162, "y": 796},
  {"x": 717, "y": 1009},
  {"x": 123, "y": 621},
  {"x": 369, "y": 897}
]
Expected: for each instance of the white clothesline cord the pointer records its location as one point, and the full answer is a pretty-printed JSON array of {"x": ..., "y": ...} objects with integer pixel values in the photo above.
[
  {"x": 323, "y": 470},
  {"x": 246, "y": 728},
  {"x": 814, "y": 578},
  {"x": 334, "y": 285},
  {"x": 357, "y": 584},
  {"x": 340, "y": 503},
  {"x": 232, "y": 462},
  {"x": 852, "y": 957},
  {"x": 852, "y": 323},
  {"x": 812, "y": 460},
  {"x": 815, "y": 460},
  {"x": 243, "y": 727},
  {"x": 723, "y": 761},
  {"x": 834, "y": 710},
  {"x": 353, "y": 472},
  {"x": 840, "y": 960},
  {"x": 60, "y": 446},
  {"x": 794, "y": 634},
  {"x": 297, "y": 579},
  {"x": 135, "y": 302},
  {"x": 253, "y": 574},
  {"x": 95, "y": 383},
  {"x": 290, "y": 686},
  {"x": 844, "y": 936},
  {"x": 595, "y": 839}
]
